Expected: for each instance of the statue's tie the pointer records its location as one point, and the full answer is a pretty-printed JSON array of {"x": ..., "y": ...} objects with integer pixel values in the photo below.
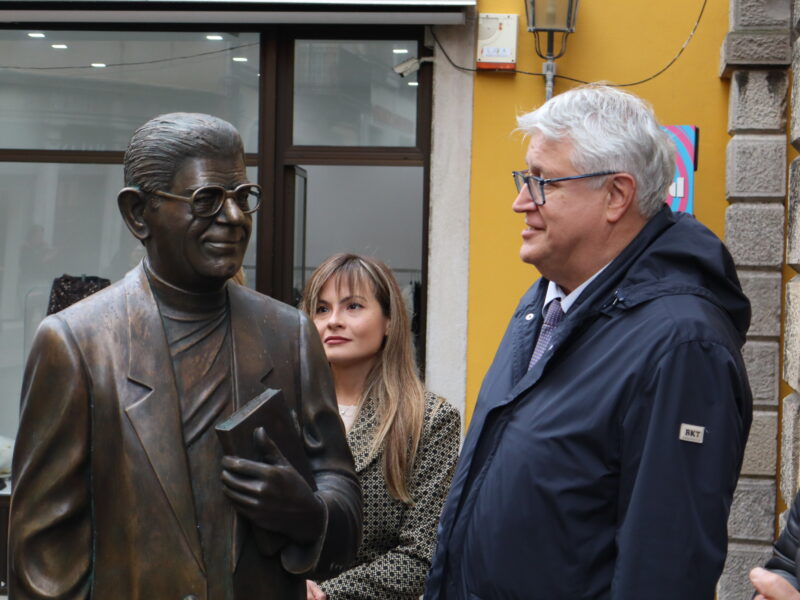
[{"x": 552, "y": 318}]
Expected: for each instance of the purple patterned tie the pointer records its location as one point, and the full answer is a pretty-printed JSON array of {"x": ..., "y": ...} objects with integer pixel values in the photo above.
[{"x": 552, "y": 318}]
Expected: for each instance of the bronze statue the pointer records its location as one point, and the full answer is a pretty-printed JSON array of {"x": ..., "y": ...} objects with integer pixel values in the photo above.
[{"x": 120, "y": 487}]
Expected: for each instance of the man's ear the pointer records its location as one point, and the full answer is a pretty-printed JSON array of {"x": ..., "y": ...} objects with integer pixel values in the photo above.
[
  {"x": 131, "y": 203},
  {"x": 622, "y": 196}
]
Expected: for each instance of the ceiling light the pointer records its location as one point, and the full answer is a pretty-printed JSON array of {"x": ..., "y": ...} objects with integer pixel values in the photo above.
[
  {"x": 214, "y": 38},
  {"x": 413, "y": 83},
  {"x": 59, "y": 46},
  {"x": 400, "y": 51},
  {"x": 239, "y": 59},
  {"x": 36, "y": 34},
  {"x": 99, "y": 65}
]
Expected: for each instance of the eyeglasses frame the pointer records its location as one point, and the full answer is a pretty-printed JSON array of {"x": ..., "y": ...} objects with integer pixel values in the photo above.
[
  {"x": 527, "y": 177},
  {"x": 226, "y": 194}
]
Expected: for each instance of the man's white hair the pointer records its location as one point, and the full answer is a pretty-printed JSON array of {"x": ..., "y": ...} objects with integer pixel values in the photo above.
[{"x": 610, "y": 130}]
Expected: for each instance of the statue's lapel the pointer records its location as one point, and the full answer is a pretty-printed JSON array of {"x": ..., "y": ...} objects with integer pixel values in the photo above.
[
  {"x": 251, "y": 364},
  {"x": 155, "y": 416},
  {"x": 251, "y": 358}
]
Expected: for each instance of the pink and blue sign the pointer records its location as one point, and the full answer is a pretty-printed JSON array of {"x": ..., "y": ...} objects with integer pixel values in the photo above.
[{"x": 681, "y": 193}]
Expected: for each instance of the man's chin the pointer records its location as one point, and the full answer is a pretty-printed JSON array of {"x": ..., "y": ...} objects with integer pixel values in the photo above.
[
  {"x": 221, "y": 271},
  {"x": 528, "y": 255}
]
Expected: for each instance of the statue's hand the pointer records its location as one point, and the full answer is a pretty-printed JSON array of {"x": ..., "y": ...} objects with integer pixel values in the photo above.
[{"x": 272, "y": 494}]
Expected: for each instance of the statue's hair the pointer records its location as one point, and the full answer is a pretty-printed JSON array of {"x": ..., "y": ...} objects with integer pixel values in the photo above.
[
  {"x": 159, "y": 148},
  {"x": 609, "y": 130},
  {"x": 393, "y": 383}
]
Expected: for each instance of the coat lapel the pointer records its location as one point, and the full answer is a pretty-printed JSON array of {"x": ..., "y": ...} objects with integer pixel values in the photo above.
[
  {"x": 250, "y": 369},
  {"x": 156, "y": 415},
  {"x": 360, "y": 436},
  {"x": 525, "y": 328},
  {"x": 252, "y": 366}
]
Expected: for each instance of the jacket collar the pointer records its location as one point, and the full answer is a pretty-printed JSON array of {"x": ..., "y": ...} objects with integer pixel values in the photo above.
[{"x": 602, "y": 294}]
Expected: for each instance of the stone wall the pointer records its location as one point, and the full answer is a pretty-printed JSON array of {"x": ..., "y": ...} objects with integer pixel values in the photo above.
[{"x": 756, "y": 55}]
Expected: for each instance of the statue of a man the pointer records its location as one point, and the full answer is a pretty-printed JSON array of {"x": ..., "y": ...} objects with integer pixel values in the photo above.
[{"x": 120, "y": 486}]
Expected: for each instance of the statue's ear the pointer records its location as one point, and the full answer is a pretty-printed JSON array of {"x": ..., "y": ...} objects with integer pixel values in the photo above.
[{"x": 131, "y": 204}]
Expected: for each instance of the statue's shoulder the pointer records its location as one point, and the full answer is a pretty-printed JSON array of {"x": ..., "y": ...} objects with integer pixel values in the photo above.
[
  {"x": 262, "y": 304},
  {"x": 98, "y": 307}
]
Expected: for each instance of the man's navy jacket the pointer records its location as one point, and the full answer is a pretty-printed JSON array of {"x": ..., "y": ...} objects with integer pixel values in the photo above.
[{"x": 607, "y": 470}]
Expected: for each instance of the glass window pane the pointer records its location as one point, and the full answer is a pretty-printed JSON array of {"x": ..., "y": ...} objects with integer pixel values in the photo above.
[
  {"x": 346, "y": 93},
  {"x": 57, "y": 219},
  {"x": 249, "y": 263},
  {"x": 375, "y": 211},
  {"x": 54, "y": 99}
]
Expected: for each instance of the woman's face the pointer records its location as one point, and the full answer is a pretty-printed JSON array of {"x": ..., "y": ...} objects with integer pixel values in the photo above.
[{"x": 350, "y": 322}]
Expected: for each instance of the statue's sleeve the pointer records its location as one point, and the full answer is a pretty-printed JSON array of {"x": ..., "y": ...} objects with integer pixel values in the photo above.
[
  {"x": 50, "y": 522},
  {"x": 331, "y": 462}
]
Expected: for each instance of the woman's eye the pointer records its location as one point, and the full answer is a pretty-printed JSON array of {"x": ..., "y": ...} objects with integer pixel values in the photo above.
[
  {"x": 321, "y": 309},
  {"x": 354, "y": 306}
]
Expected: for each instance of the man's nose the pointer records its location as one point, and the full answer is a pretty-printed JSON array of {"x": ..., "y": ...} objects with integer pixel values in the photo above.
[
  {"x": 230, "y": 212},
  {"x": 523, "y": 202}
]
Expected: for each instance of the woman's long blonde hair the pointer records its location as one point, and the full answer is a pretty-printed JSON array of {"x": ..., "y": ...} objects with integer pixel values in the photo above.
[{"x": 393, "y": 382}]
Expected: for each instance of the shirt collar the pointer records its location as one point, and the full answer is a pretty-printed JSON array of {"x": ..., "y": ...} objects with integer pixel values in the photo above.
[{"x": 567, "y": 300}]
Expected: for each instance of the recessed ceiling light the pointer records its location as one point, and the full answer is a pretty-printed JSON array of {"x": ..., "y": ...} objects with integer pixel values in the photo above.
[
  {"x": 400, "y": 51},
  {"x": 99, "y": 65},
  {"x": 36, "y": 34},
  {"x": 214, "y": 38},
  {"x": 413, "y": 83},
  {"x": 59, "y": 46},
  {"x": 239, "y": 59}
]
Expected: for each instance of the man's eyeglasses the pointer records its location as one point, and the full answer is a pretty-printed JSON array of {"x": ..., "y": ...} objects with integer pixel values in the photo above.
[
  {"x": 537, "y": 191},
  {"x": 207, "y": 201}
]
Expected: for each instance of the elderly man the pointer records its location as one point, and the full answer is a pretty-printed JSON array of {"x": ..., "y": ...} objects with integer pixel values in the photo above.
[
  {"x": 609, "y": 431},
  {"x": 120, "y": 487}
]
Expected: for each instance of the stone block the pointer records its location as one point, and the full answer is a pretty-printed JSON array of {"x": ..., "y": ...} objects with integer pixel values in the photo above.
[
  {"x": 795, "y": 20},
  {"x": 761, "y": 360},
  {"x": 757, "y": 101},
  {"x": 791, "y": 334},
  {"x": 734, "y": 584},
  {"x": 756, "y": 167},
  {"x": 793, "y": 216},
  {"x": 755, "y": 49},
  {"x": 759, "y": 14},
  {"x": 764, "y": 291},
  {"x": 790, "y": 447},
  {"x": 794, "y": 123},
  {"x": 754, "y": 234},
  {"x": 753, "y": 510},
  {"x": 761, "y": 452}
]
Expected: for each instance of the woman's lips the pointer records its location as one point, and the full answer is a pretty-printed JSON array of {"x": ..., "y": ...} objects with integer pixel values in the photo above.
[{"x": 334, "y": 340}]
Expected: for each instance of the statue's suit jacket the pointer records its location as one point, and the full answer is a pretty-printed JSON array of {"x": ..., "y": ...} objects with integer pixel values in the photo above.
[{"x": 102, "y": 503}]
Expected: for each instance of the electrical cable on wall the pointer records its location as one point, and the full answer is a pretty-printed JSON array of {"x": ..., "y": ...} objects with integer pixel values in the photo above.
[{"x": 632, "y": 83}]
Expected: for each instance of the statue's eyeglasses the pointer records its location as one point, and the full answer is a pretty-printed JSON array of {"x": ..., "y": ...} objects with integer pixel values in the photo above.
[{"x": 207, "y": 201}]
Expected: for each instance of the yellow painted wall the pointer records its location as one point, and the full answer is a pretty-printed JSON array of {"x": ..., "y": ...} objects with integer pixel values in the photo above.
[{"x": 617, "y": 41}]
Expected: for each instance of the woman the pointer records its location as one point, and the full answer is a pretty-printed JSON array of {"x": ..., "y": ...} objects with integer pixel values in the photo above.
[{"x": 404, "y": 440}]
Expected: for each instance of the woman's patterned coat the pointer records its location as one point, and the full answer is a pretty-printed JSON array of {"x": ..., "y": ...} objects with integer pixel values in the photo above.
[{"x": 399, "y": 539}]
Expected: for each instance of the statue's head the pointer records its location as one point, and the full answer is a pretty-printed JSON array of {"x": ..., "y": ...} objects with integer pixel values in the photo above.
[{"x": 188, "y": 199}]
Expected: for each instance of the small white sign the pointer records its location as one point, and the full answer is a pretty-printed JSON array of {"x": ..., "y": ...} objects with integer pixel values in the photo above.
[{"x": 691, "y": 433}]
